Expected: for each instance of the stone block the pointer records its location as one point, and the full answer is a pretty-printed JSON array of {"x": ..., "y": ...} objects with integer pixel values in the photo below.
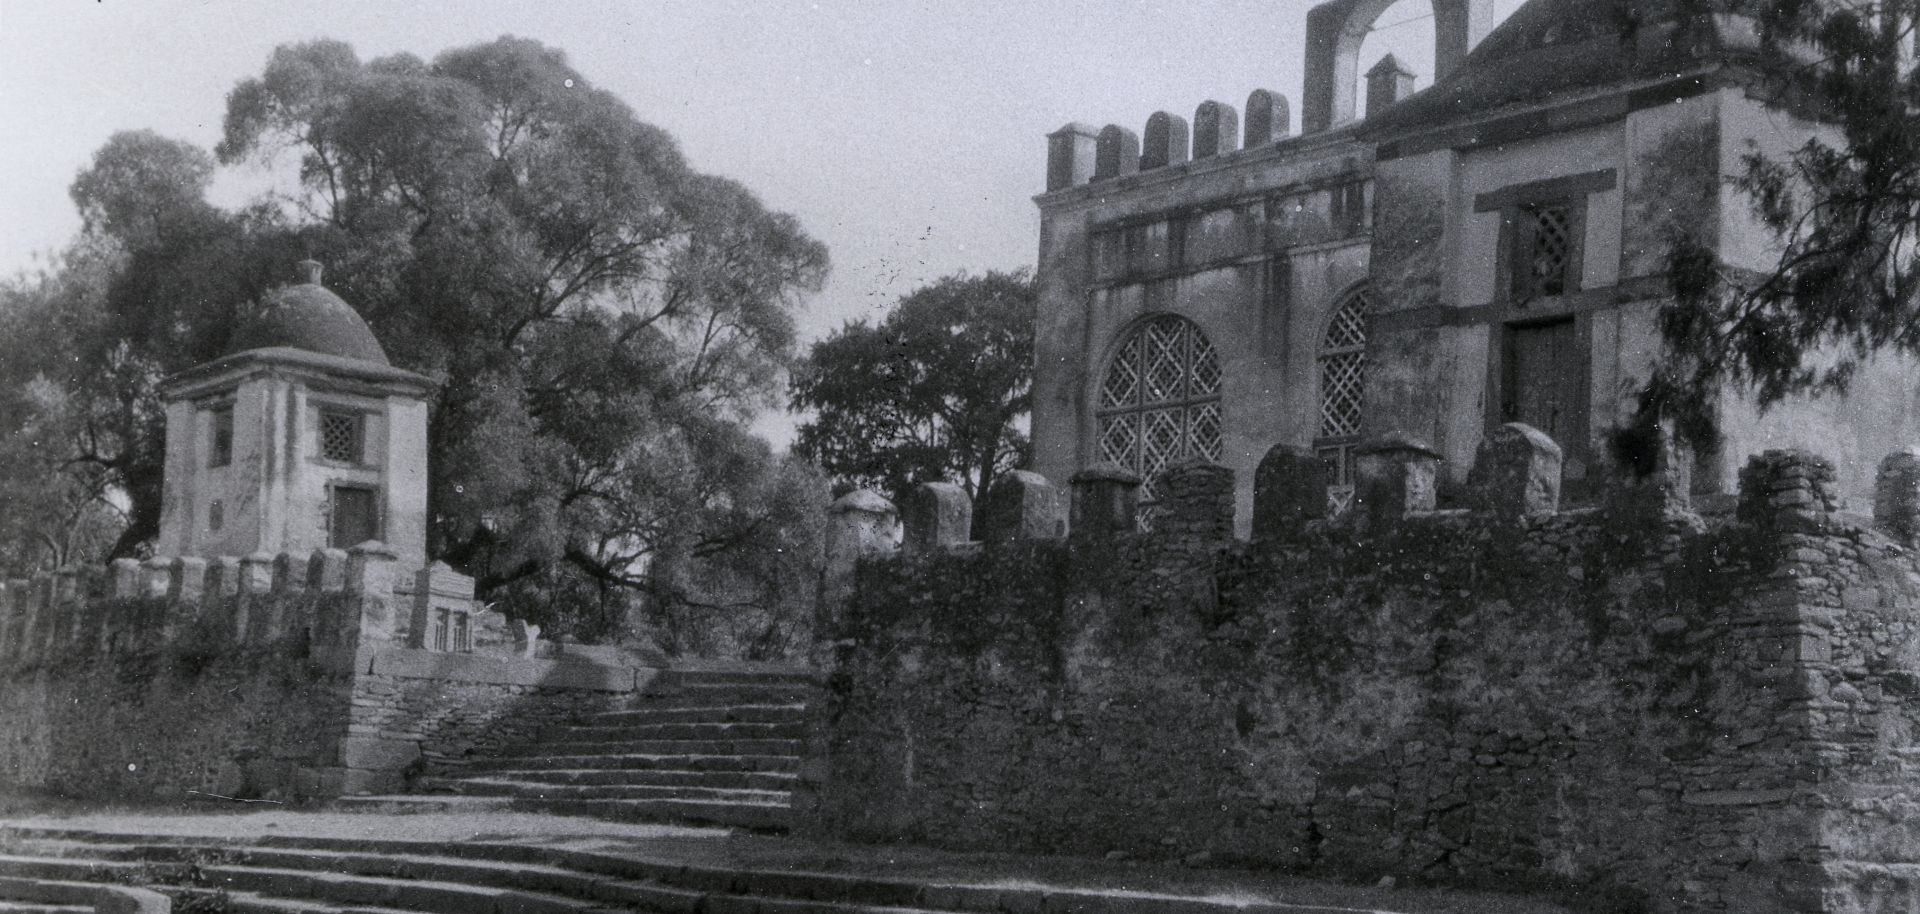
[
  {"x": 1070, "y": 156},
  {"x": 289, "y": 573},
  {"x": 1105, "y": 503},
  {"x": 1896, "y": 496},
  {"x": 327, "y": 570},
  {"x": 125, "y": 575},
  {"x": 1216, "y": 130},
  {"x": 256, "y": 573},
  {"x": 1268, "y": 120},
  {"x": 371, "y": 568},
  {"x": 860, "y": 524},
  {"x": 1396, "y": 475},
  {"x": 1116, "y": 153},
  {"x": 1167, "y": 141},
  {"x": 1196, "y": 500},
  {"x": 378, "y": 754},
  {"x": 1289, "y": 491},
  {"x": 937, "y": 515},
  {"x": 1516, "y": 472},
  {"x": 1786, "y": 488},
  {"x": 156, "y": 578},
  {"x": 189, "y": 583},
  {"x": 1022, "y": 505}
]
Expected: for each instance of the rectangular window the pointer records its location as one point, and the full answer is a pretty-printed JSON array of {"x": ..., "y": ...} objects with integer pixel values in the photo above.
[
  {"x": 1349, "y": 206},
  {"x": 462, "y": 634},
  {"x": 1543, "y": 251},
  {"x": 220, "y": 452},
  {"x": 354, "y": 517},
  {"x": 441, "y": 626},
  {"x": 342, "y": 436}
]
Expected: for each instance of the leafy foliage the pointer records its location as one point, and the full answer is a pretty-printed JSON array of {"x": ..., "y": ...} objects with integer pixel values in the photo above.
[
  {"x": 936, "y": 391},
  {"x": 602, "y": 317},
  {"x": 1844, "y": 209}
]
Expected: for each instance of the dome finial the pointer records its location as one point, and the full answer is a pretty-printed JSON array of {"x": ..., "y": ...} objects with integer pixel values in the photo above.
[{"x": 310, "y": 271}]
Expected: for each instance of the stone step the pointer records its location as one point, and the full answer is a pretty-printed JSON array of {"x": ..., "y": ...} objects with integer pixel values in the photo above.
[
  {"x": 710, "y": 695},
  {"x": 404, "y": 894},
  {"x": 769, "y": 817},
  {"x": 748, "y": 780},
  {"x": 762, "y": 713},
  {"x": 632, "y": 880},
  {"x": 735, "y": 747},
  {"x": 250, "y": 903},
  {"x": 30, "y": 907},
  {"x": 707, "y": 730},
  {"x": 507, "y": 787},
  {"x": 638, "y": 761}
]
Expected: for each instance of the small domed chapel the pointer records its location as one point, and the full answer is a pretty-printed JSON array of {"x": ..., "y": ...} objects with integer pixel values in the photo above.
[
  {"x": 1488, "y": 250},
  {"x": 301, "y": 437}
]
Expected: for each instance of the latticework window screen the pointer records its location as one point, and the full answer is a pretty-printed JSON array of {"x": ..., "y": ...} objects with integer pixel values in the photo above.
[
  {"x": 1343, "y": 381},
  {"x": 1160, "y": 401},
  {"x": 1546, "y": 241},
  {"x": 340, "y": 436}
]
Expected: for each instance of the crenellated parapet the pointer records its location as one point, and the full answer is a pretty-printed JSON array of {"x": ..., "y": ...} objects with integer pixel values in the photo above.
[
  {"x": 1079, "y": 154},
  {"x": 331, "y": 604}
]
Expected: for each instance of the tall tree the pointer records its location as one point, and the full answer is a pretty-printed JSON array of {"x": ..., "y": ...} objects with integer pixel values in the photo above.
[
  {"x": 1844, "y": 208},
  {"x": 600, "y": 314},
  {"x": 936, "y": 391}
]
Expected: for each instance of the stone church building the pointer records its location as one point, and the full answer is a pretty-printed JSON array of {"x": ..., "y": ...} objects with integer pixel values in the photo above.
[{"x": 1488, "y": 250}]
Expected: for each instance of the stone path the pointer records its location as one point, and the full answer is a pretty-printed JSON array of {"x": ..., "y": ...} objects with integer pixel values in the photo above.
[{"x": 522, "y": 863}]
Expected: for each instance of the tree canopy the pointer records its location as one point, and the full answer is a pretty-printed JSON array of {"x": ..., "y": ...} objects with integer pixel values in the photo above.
[
  {"x": 1844, "y": 208},
  {"x": 603, "y": 318},
  {"x": 935, "y": 391}
]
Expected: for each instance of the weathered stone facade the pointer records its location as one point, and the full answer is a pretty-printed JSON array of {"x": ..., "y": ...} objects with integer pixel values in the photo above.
[
  {"x": 1622, "y": 702},
  {"x": 1505, "y": 233}
]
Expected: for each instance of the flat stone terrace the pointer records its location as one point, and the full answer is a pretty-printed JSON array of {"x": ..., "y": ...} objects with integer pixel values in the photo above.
[{"x": 328, "y": 863}]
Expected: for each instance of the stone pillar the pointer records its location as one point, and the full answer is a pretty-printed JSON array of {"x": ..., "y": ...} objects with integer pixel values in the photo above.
[
  {"x": 189, "y": 584},
  {"x": 1516, "y": 472},
  {"x": 1106, "y": 502},
  {"x": 1216, "y": 130},
  {"x": 1289, "y": 491},
  {"x": 1196, "y": 501},
  {"x": 327, "y": 570},
  {"x": 1268, "y": 118},
  {"x": 1166, "y": 141},
  {"x": 1787, "y": 489},
  {"x": 1896, "y": 496},
  {"x": 1070, "y": 156},
  {"x": 1021, "y": 505},
  {"x": 1387, "y": 83},
  {"x": 937, "y": 515},
  {"x": 1116, "y": 153},
  {"x": 1396, "y": 476},
  {"x": 9, "y": 618},
  {"x": 859, "y": 525}
]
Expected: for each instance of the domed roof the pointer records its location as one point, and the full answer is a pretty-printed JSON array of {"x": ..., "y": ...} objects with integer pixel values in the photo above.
[{"x": 307, "y": 316}]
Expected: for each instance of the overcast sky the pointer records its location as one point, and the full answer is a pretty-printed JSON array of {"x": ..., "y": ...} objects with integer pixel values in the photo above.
[{"x": 907, "y": 135}]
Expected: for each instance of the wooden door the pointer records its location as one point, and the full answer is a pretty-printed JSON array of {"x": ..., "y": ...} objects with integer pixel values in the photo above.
[
  {"x": 356, "y": 517},
  {"x": 1542, "y": 386}
]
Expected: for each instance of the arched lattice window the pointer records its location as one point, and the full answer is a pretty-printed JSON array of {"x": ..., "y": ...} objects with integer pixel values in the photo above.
[
  {"x": 1343, "y": 381},
  {"x": 1160, "y": 401}
]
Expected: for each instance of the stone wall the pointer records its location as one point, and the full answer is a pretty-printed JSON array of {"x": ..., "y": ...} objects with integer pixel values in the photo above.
[
  {"x": 273, "y": 677},
  {"x": 1619, "y": 702}
]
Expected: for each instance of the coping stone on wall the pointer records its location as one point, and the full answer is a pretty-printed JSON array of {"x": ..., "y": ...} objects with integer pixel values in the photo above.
[{"x": 408, "y": 663}]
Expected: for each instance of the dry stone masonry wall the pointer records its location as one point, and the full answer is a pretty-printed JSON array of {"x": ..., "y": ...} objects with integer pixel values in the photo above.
[
  {"x": 1621, "y": 702},
  {"x": 264, "y": 676}
]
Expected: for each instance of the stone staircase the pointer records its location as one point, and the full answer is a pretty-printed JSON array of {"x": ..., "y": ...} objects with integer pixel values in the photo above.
[
  {"x": 288, "y": 874},
  {"x": 703, "y": 746}
]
